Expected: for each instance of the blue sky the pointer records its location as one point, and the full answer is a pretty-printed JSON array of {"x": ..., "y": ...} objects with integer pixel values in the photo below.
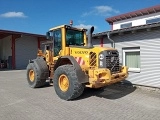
[{"x": 38, "y": 16}]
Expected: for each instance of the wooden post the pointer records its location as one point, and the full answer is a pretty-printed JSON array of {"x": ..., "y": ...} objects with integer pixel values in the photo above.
[{"x": 101, "y": 42}]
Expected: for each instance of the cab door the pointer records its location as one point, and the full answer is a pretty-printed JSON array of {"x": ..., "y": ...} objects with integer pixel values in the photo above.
[{"x": 57, "y": 42}]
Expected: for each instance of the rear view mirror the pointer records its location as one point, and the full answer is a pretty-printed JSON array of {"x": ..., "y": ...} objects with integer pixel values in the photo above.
[{"x": 48, "y": 36}]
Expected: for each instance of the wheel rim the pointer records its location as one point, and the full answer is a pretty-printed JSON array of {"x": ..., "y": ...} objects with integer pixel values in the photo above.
[
  {"x": 31, "y": 75},
  {"x": 63, "y": 83}
]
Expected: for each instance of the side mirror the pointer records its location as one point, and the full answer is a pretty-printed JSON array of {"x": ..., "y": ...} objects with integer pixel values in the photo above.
[
  {"x": 82, "y": 44},
  {"x": 48, "y": 35}
]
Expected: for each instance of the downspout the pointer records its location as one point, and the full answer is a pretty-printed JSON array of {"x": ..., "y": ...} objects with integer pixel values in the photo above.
[{"x": 113, "y": 43}]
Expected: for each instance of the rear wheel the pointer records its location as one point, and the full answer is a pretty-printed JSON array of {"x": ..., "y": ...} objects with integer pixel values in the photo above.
[
  {"x": 66, "y": 83},
  {"x": 33, "y": 76}
]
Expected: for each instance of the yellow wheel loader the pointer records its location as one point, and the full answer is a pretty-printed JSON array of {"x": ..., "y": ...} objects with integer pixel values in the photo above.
[{"x": 73, "y": 63}]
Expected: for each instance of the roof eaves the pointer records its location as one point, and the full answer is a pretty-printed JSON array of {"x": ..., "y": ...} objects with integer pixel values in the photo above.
[
  {"x": 136, "y": 28},
  {"x": 102, "y": 34},
  {"x": 142, "y": 12},
  {"x": 21, "y": 33}
]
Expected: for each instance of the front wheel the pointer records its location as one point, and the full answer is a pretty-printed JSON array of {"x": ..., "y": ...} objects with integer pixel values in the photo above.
[{"x": 66, "y": 83}]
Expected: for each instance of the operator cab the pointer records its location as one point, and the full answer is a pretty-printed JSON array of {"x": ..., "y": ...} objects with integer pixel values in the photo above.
[{"x": 66, "y": 36}]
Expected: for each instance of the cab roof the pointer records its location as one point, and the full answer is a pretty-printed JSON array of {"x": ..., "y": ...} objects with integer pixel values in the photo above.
[{"x": 67, "y": 26}]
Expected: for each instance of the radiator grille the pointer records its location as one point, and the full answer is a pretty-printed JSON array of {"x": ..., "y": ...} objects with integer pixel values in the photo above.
[{"x": 112, "y": 61}]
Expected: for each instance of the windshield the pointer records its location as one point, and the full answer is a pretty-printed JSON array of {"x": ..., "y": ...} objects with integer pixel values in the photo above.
[{"x": 74, "y": 37}]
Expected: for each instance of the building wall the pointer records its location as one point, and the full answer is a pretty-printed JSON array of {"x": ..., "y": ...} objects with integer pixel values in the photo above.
[
  {"x": 26, "y": 49},
  {"x": 135, "y": 21},
  {"x": 149, "y": 43},
  {"x": 96, "y": 42}
]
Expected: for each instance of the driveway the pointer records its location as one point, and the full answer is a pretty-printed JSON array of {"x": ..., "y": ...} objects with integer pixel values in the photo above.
[{"x": 116, "y": 102}]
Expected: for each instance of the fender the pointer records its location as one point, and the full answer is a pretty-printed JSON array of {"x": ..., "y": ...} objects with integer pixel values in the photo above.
[
  {"x": 41, "y": 66},
  {"x": 82, "y": 77}
]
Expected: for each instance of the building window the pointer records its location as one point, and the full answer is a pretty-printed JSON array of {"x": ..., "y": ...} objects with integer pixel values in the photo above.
[
  {"x": 126, "y": 25},
  {"x": 131, "y": 58},
  {"x": 154, "y": 20}
]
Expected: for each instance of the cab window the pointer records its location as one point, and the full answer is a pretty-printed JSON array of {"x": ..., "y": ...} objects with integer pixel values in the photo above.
[{"x": 74, "y": 37}]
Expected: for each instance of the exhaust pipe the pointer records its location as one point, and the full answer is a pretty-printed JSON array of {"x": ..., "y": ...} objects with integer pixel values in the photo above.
[{"x": 90, "y": 37}]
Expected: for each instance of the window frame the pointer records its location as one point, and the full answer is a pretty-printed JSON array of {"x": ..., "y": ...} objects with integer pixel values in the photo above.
[
  {"x": 124, "y": 50},
  {"x": 153, "y": 20},
  {"x": 126, "y": 25}
]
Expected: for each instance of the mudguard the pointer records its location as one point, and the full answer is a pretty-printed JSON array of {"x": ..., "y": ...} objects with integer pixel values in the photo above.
[
  {"x": 82, "y": 77},
  {"x": 41, "y": 67}
]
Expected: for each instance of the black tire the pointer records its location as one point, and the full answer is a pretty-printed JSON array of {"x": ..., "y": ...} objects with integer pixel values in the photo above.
[
  {"x": 39, "y": 77},
  {"x": 75, "y": 88}
]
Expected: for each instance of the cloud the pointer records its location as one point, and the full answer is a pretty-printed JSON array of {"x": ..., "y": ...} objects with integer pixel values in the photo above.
[
  {"x": 13, "y": 15},
  {"x": 85, "y": 26},
  {"x": 101, "y": 11},
  {"x": 81, "y": 21}
]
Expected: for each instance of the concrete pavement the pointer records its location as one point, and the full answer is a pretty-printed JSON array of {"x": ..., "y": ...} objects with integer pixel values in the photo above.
[{"x": 116, "y": 102}]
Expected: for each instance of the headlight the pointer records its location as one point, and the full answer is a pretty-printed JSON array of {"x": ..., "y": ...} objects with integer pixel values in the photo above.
[
  {"x": 101, "y": 56},
  {"x": 101, "y": 63}
]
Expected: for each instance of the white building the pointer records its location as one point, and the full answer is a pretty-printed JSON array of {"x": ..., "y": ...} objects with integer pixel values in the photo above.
[
  {"x": 135, "y": 18},
  {"x": 136, "y": 36}
]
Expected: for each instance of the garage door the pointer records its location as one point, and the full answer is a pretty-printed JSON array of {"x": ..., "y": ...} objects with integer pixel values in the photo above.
[{"x": 25, "y": 49}]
